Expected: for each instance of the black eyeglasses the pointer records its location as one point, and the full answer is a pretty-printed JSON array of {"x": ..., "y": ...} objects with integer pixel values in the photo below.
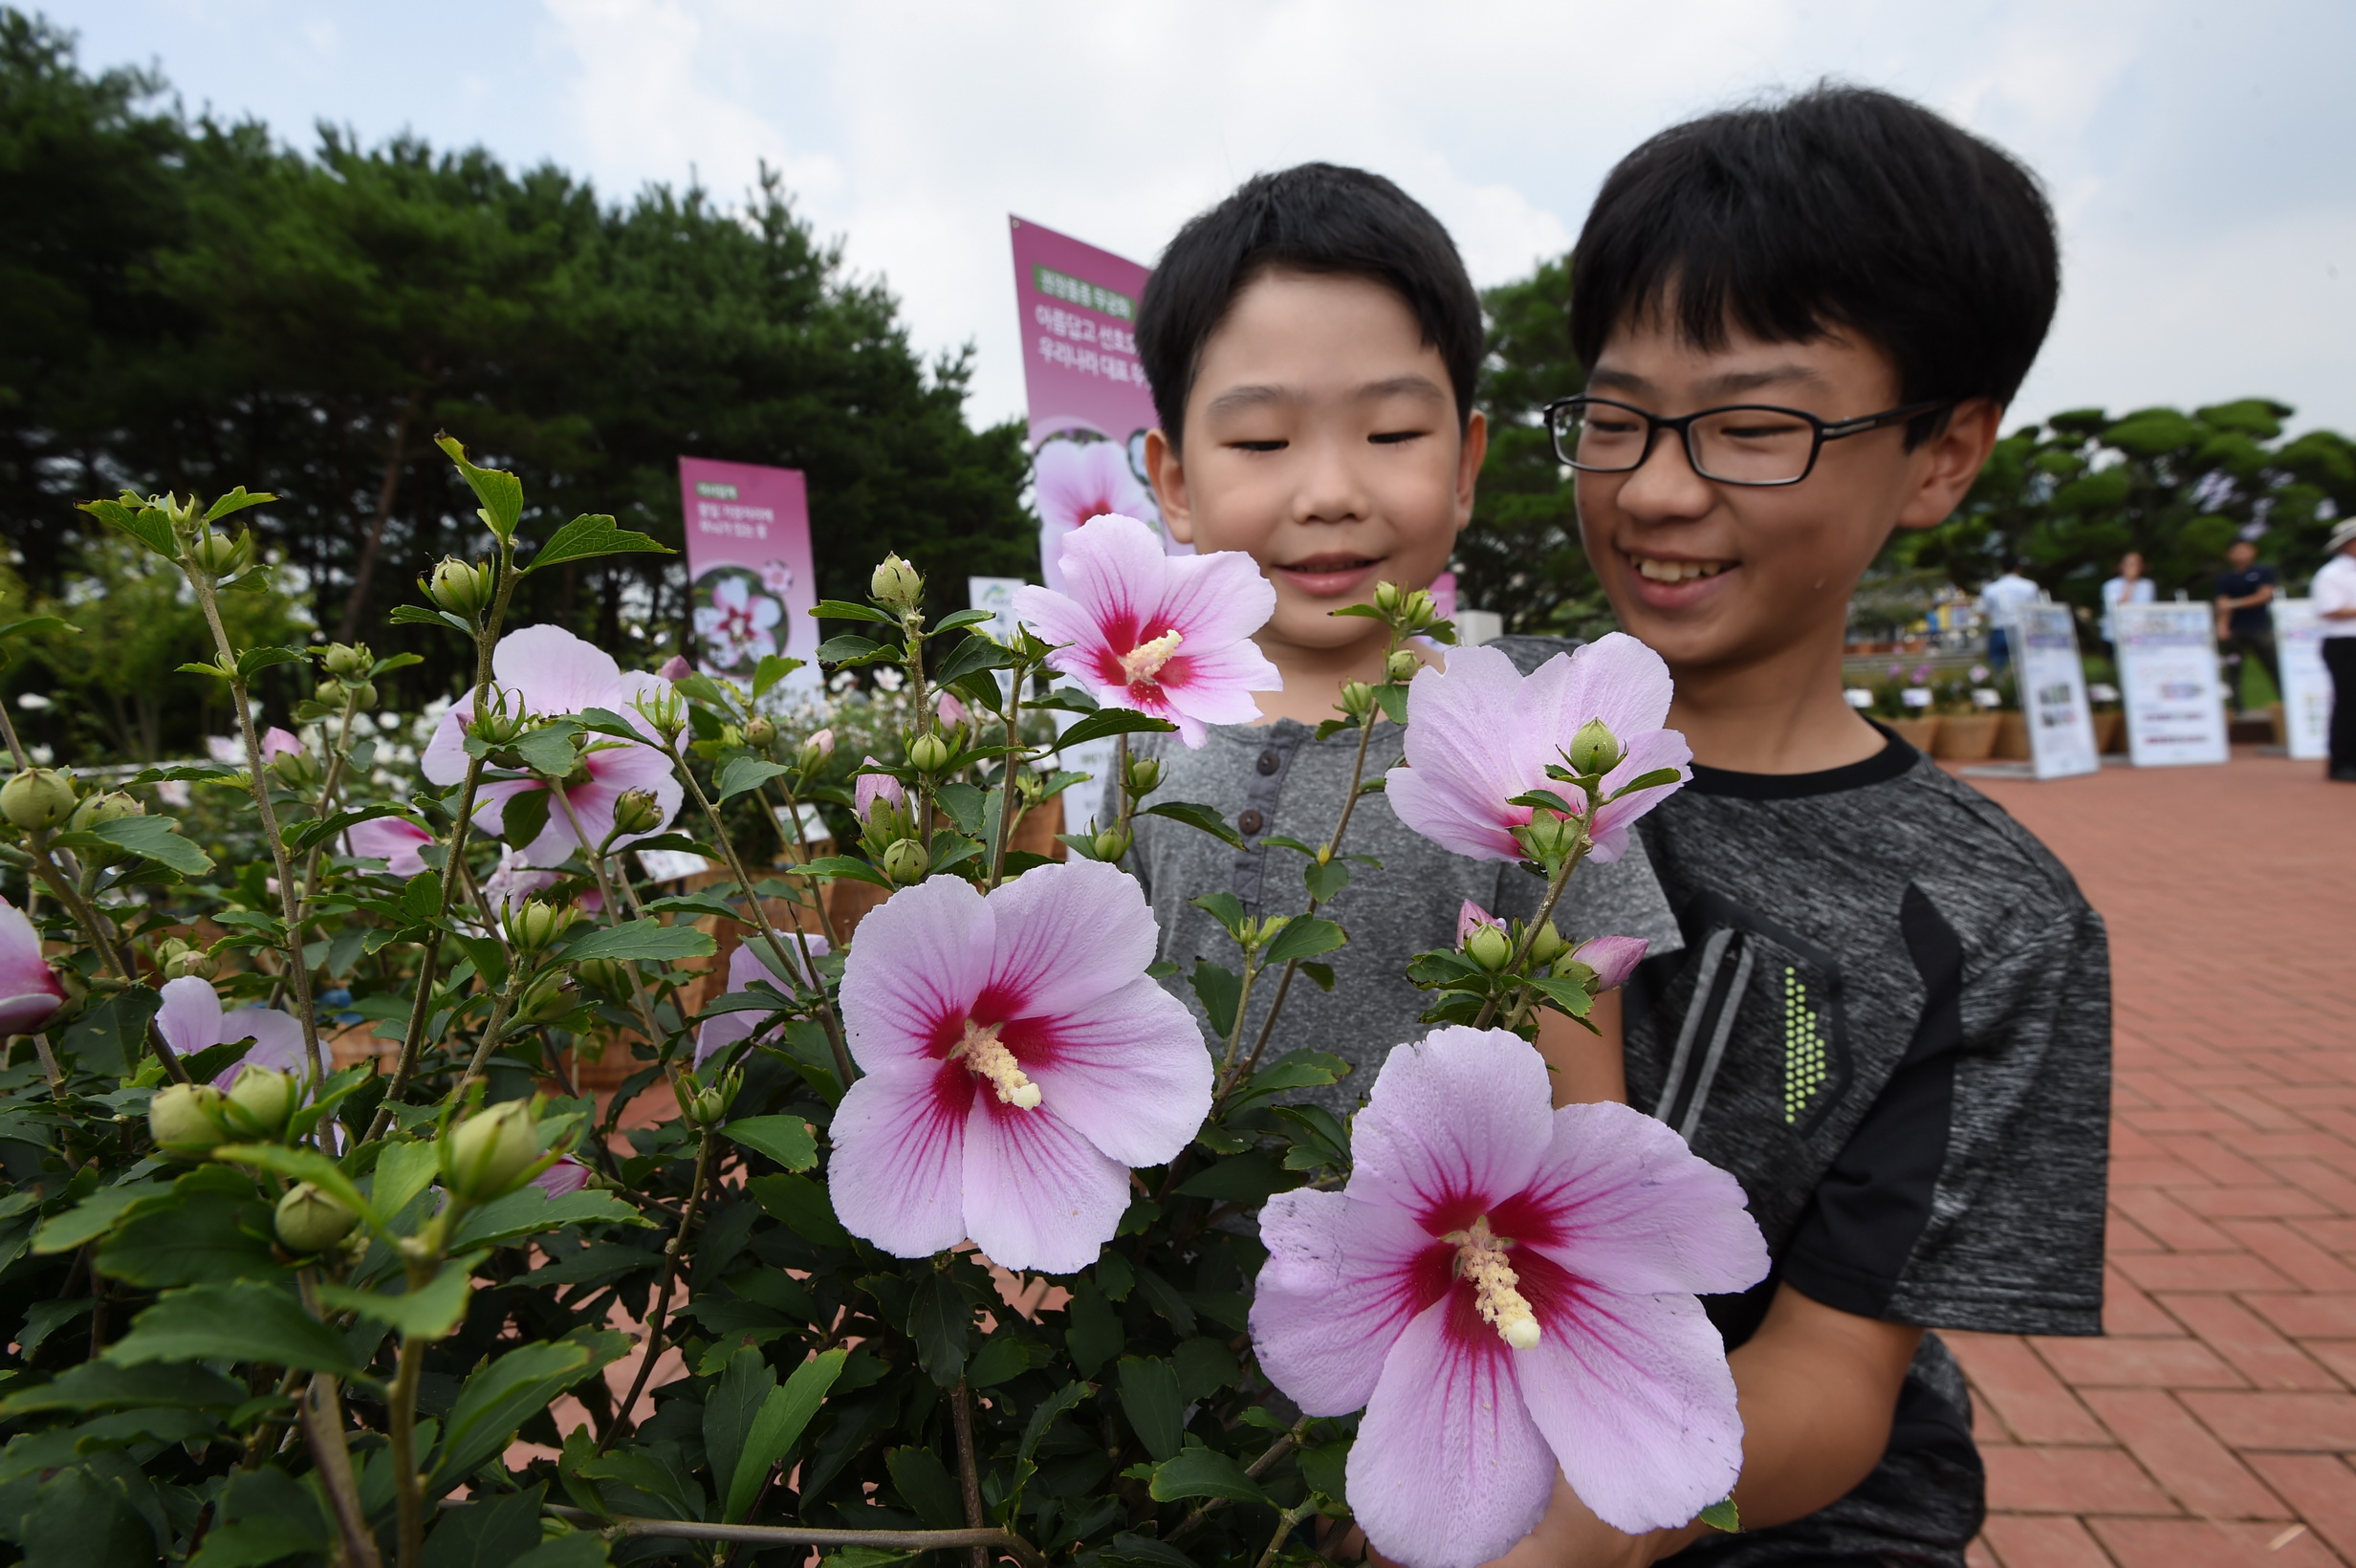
[{"x": 1742, "y": 443}]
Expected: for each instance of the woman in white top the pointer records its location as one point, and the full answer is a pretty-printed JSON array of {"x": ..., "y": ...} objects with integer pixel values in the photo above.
[
  {"x": 2130, "y": 587},
  {"x": 2334, "y": 592}
]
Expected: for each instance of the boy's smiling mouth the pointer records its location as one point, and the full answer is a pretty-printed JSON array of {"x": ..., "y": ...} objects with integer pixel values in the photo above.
[
  {"x": 1657, "y": 569},
  {"x": 1328, "y": 576},
  {"x": 1675, "y": 582}
]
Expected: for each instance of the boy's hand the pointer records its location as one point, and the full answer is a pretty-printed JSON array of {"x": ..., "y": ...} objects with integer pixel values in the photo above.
[{"x": 1571, "y": 1536}]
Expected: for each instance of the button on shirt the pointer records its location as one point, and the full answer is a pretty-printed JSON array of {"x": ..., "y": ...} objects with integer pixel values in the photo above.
[{"x": 2335, "y": 589}]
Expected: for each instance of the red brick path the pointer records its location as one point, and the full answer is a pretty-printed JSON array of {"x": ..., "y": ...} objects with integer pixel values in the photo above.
[{"x": 2214, "y": 1424}]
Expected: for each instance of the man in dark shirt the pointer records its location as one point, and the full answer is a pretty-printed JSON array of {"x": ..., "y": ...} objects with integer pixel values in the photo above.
[{"x": 2245, "y": 593}]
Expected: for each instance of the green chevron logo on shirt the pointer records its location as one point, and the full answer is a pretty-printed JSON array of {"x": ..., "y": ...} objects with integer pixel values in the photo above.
[{"x": 1804, "y": 1066}]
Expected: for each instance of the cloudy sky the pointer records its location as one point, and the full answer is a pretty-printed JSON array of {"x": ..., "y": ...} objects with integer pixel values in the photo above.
[{"x": 2202, "y": 156}]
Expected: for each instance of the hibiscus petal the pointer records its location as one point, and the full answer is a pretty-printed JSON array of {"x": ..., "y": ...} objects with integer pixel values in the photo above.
[
  {"x": 1217, "y": 686},
  {"x": 1434, "y": 806},
  {"x": 277, "y": 1038},
  {"x": 1637, "y": 1405},
  {"x": 445, "y": 761},
  {"x": 1341, "y": 1282},
  {"x": 190, "y": 1018},
  {"x": 1217, "y": 600},
  {"x": 391, "y": 839},
  {"x": 1128, "y": 1068},
  {"x": 1115, "y": 567},
  {"x": 898, "y": 1172},
  {"x": 1067, "y": 933},
  {"x": 715, "y": 1035},
  {"x": 1037, "y": 1194},
  {"x": 1620, "y": 1199},
  {"x": 1646, "y": 753},
  {"x": 1619, "y": 680},
  {"x": 921, "y": 958},
  {"x": 556, "y": 671},
  {"x": 30, "y": 993},
  {"x": 1059, "y": 617},
  {"x": 1448, "y": 1470},
  {"x": 1455, "y": 1123}
]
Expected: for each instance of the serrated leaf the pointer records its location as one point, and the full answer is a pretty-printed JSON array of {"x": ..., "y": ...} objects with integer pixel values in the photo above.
[
  {"x": 1111, "y": 721},
  {"x": 528, "y": 1211},
  {"x": 1193, "y": 815},
  {"x": 773, "y": 668},
  {"x": 1652, "y": 780},
  {"x": 1394, "y": 702},
  {"x": 591, "y": 535},
  {"x": 973, "y": 655},
  {"x": 1204, "y": 1473},
  {"x": 785, "y": 1139},
  {"x": 1722, "y": 1516},
  {"x": 843, "y": 609},
  {"x": 111, "y": 1036},
  {"x": 500, "y": 491},
  {"x": 1304, "y": 937},
  {"x": 253, "y": 661},
  {"x": 743, "y": 774},
  {"x": 1247, "y": 1179},
  {"x": 1324, "y": 881},
  {"x": 101, "y": 1385},
  {"x": 237, "y": 501},
  {"x": 842, "y": 865},
  {"x": 802, "y": 1204},
  {"x": 646, "y": 940},
  {"x": 431, "y": 1312},
  {"x": 845, "y": 648},
  {"x": 940, "y": 1319},
  {"x": 301, "y": 838},
  {"x": 237, "y": 1323},
  {"x": 403, "y": 1170},
  {"x": 1223, "y": 906},
  {"x": 26, "y": 625},
  {"x": 143, "y": 522},
  {"x": 94, "y": 1216},
  {"x": 1321, "y": 974},
  {"x": 1150, "y": 1399}
]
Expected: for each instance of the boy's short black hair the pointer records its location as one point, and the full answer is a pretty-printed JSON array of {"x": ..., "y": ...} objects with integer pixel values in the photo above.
[
  {"x": 1311, "y": 218},
  {"x": 1839, "y": 208}
]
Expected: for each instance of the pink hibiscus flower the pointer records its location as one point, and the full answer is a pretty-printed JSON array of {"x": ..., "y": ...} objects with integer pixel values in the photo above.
[
  {"x": 277, "y": 743},
  {"x": 1508, "y": 1289},
  {"x": 1166, "y": 635},
  {"x": 191, "y": 1019},
  {"x": 566, "y": 1176},
  {"x": 738, "y": 624},
  {"x": 1074, "y": 482},
  {"x": 393, "y": 840},
  {"x": 30, "y": 993},
  {"x": 866, "y": 788},
  {"x": 744, "y": 967},
  {"x": 551, "y": 672},
  {"x": 1481, "y": 733},
  {"x": 1018, "y": 1062},
  {"x": 1612, "y": 958}
]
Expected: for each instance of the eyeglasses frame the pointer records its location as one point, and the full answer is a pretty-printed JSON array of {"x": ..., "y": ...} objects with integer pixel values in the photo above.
[{"x": 1682, "y": 424}]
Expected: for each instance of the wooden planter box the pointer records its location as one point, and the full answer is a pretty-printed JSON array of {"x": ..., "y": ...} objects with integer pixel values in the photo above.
[
  {"x": 2012, "y": 737},
  {"x": 2111, "y": 733},
  {"x": 1966, "y": 737},
  {"x": 1922, "y": 734}
]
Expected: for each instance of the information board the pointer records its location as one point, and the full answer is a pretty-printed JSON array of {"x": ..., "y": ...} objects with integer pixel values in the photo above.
[
  {"x": 2306, "y": 685},
  {"x": 2053, "y": 692},
  {"x": 2170, "y": 685},
  {"x": 754, "y": 582}
]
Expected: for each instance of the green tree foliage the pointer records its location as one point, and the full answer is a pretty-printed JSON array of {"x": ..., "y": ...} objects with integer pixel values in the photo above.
[{"x": 183, "y": 303}]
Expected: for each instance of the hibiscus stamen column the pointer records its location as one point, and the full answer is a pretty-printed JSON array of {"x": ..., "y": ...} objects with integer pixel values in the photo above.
[{"x": 1496, "y": 1293}]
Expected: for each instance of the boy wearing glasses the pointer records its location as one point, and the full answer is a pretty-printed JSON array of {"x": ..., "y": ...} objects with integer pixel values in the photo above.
[{"x": 1890, "y": 1015}]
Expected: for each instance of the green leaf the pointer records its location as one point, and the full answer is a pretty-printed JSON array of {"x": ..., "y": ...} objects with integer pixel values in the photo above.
[
  {"x": 590, "y": 535},
  {"x": 94, "y": 1216},
  {"x": 303, "y": 1165},
  {"x": 253, "y": 661},
  {"x": 157, "y": 838},
  {"x": 746, "y": 773},
  {"x": 143, "y": 522},
  {"x": 784, "y": 1139},
  {"x": 924, "y": 1485},
  {"x": 843, "y": 609},
  {"x": 1394, "y": 701},
  {"x": 1149, "y": 1398},
  {"x": 1193, "y": 815},
  {"x": 1111, "y": 721},
  {"x": 848, "y": 648},
  {"x": 417, "y": 615},
  {"x": 548, "y": 749},
  {"x": 214, "y": 1230},
  {"x": 237, "y": 501},
  {"x": 1244, "y": 1179},
  {"x": 403, "y": 1170},
  {"x": 646, "y": 938},
  {"x": 26, "y": 626},
  {"x": 1652, "y": 780},
  {"x": 939, "y": 1320},
  {"x": 1044, "y": 1415},
  {"x": 1321, "y": 973},
  {"x": 973, "y": 655},
  {"x": 111, "y": 1036},
  {"x": 843, "y": 865},
  {"x": 525, "y": 815},
  {"x": 1324, "y": 881},
  {"x": 1225, "y": 907},
  {"x": 490, "y": 1531},
  {"x": 101, "y": 1385},
  {"x": 239, "y": 1323},
  {"x": 431, "y": 1312},
  {"x": 499, "y": 1399},
  {"x": 580, "y": 1549},
  {"x": 78, "y": 1519},
  {"x": 784, "y": 1416},
  {"x": 528, "y": 1210},
  {"x": 965, "y": 806},
  {"x": 300, "y": 837},
  {"x": 1304, "y": 937},
  {"x": 1204, "y": 1473},
  {"x": 1093, "y": 1337},
  {"x": 1221, "y": 992},
  {"x": 803, "y": 1206},
  {"x": 731, "y": 1408},
  {"x": 1722, "y": 1514},
  {"x": 501, "y": 492},
  {"x": 1293, "y": 1070},
  {"x": 773, "y": 668}
]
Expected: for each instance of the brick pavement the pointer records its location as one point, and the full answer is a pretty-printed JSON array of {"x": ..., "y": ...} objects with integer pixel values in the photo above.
[{"x": 2216, "y": 1423}]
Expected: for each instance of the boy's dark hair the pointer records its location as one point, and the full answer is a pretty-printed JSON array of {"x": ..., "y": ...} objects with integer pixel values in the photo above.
[
  {"x": 1842, "y": 207},
  {"x": 1311, "y": 218}
]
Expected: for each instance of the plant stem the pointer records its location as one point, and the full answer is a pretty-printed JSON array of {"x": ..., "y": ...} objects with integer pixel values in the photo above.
[
  {"x": 1555, "y": 885},
  {"x": 613, "y": 908},
  {"x": 969, "y": 1474},
  {"x": 407, "y": 1489},
  {"x": 493, "y": 1031},
  {"x": 1007, "y": 766},
  {"x": 85, "y": 915},
  {"x": 1259, "y": 1467},
  {"x": 800, "y": 853},
  {"x": 16, "y": 750},
  {"x": 628, "y": 1527},
  {"x": 671, "y": 1253},
  {"x": 322, "y": 1421}
]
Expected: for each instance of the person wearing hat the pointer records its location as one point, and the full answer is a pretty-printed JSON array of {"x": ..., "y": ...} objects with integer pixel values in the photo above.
[{"x": 2334, "y": 592}]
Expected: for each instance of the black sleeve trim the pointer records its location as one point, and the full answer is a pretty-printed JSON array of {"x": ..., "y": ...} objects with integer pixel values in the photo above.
[{"x": 1874, "y": 1203}]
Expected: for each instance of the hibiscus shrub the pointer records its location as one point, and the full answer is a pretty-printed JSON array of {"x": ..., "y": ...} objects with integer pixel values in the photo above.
[{"x": 954, "y": 1236}]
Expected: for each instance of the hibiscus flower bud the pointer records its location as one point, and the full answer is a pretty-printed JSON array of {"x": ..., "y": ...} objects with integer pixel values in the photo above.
[
  {"x": 298, "y": 770},
  {"x": 1471, "y": 917},
  {"x": 185, "y": 1120},
  {"x": 817, "y": 750},
  {"x": 760, "y": 732},
  {"x": 363, "y": 693},
  {"x": 501, "y": 723},
  {"x": 546, "y": 999},
  {"x": 1595, "y": 749},
  {"x": 1546, "y": 943},
  {"x": 1612, "y": 958},
  {"x": 562, "y": 1179},
  {"x": 929, "y": 754},
  {"x": 38, "y": 798},
  {"x": 1112, "y": 843},
  {"x": 533, "y": 926},
  {"x": 665, "y": 710},
  {"x": 872, "y": 788},
  {"x": 262, "y": 1101},
  {"x": 177, "y": 960},
  {"x": 220, "y": 555},
  {"x": 1145, "y": 775},
  {"x": 348, "y": 661},
  {"x": 310, "y": 1221},
  {"x": 895, "y": 586},
  {"x": 905, "y": 862},
  {"x": 110, "y": 807},
  {"x": 607, "y": 975},
  {"x": 1490, "y": 947},
  {"x": 1548, "y": 838},
  {"x": 676, "y": 668},
  {"x": 485, "y": 1156},
  {"x": 1356, "y": 699},
  {"x": 465, "y": 591},
  {"x": 1402, "y": 667},
  {"x": 1032, "y": 788},
  {"x": 1387, "y": 597},
  {"x": 637, "y": 811}
]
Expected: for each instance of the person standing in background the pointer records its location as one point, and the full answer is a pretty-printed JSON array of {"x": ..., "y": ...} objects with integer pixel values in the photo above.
[
  {"x": 2245, "y": 626},
  {"x": 2334, "y": 592},
  {"x": 1997, "y": 604},
  {"x": 2130, "y": 587}
]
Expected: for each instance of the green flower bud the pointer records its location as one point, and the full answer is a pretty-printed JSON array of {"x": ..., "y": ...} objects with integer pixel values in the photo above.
[
  {"x": 607, "y": 975},
  {"x": 760, "y": 732},
  {"x": 533, "y": 926},
  {"x": 1111, "y": 844},
  {"x": 363, "y": 693},
  {"x": 637, "y": 811},
  {"x": 817, "y": 750},
  {"x": 298, "y": 770},
  {"x": 1417, "y": 611},
  {"x": 1490, "y": 947},
  {"x": 485, "y": 1156},
  {"x": 904, "y": 862},
  {"x": 546, "y": 999},
  {"x": 112, "y": 806},
  {"x": 708, "y": 1108},
  {"x": 499, "y": 722},
  {"x": 348, "y": 661},
  {"x": 177, "y": 960},
  {"x": 1547, "y": 945},
  {"x": 1387, "y": 597},
  {"x": 36, "y": 798},
  {"x": 310, "y": 1221},
  {"x": 185, "y": 1120},
  {"x": 1356, "y": 699},
  {"x": 465, "y": 591},
  {"x": 1145, "y": 775},
  {"x": 261, "y": 1102},
  {"x": 1595, "y": 749},
  {"x": 1403, "y": 667},
  {"x": 1548, "y": 838},
  {"x": 665, "y": 710},
  {"x": 929, "y": 754},
  {"x": 1030, "y": 786},
  {"x": 895, "y": 586},
  {"x": 220, "y": 555}
]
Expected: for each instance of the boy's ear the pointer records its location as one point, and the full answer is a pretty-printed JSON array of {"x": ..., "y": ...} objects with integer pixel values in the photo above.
[
  {"x": 1166, "y": 472},
  {"x": 1946, "y": 465},
  {"x": 1469, "y": 456}
]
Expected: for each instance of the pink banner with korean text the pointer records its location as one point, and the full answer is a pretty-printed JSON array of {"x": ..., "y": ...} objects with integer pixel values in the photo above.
[
  {"x": 1090, "y": 407},
  {"x": 748, "y": 560}
]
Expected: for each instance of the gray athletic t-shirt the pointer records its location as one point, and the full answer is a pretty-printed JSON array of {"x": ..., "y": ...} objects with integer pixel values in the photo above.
[{"x": 1279, "y": 779}]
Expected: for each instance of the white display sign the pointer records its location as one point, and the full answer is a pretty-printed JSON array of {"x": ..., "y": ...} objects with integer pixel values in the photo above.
[
  {"x": 996, "y": 595},
  {"x": 2306, "y": 685},
  {"x": 2167, "y": 673},
  {"x": 2053, "y": 691}
]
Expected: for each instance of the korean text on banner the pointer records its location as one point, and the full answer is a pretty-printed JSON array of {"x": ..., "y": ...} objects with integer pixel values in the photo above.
[
  {"x": 2168, "y": 683},
  {"x": 2053, "y": 692},
  {"x": 2306, "y": 685},
  {"x": 754, "y": 582}
]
